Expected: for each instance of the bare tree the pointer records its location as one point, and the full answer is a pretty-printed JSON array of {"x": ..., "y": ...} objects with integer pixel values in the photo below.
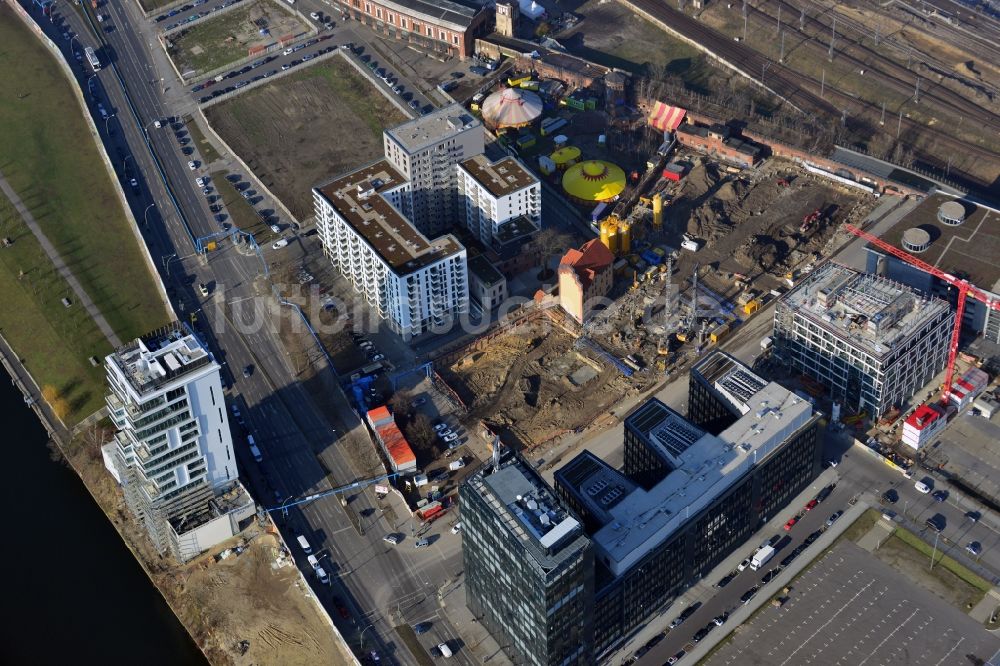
[{"x": 551, "y": 242}]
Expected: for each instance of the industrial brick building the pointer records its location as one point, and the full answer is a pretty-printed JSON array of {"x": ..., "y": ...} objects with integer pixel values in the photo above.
[
  {"x": 956, "y": 236},
  {"x": 585, "y": 275},
  {"x": 719, "y": 141},
  {"x": 684, "y": 501},
  {"x": 173, "y": 452},
  {"x": 441, "y": 26},
  {"x": 872, "y": 342}
]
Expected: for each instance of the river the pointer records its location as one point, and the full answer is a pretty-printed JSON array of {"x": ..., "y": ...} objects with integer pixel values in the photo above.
[{"x": 72, "y": 592}]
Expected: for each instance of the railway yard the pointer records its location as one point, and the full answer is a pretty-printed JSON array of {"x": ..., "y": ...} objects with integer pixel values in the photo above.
[{"x": 924, "y": 78}]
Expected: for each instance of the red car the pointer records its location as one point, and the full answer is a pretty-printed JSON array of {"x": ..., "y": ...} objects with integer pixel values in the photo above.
[
  {"x": 791, "y": 523},
  {"x": 812, "y": 505},
  {"x": 341, "y": 608}
]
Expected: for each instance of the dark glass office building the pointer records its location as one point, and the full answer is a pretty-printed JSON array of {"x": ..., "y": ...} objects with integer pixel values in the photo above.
[
  {"x": 617, "y": 546},
  {"x": 719, "y": 387},
  {"x": 529, "y": 566}
]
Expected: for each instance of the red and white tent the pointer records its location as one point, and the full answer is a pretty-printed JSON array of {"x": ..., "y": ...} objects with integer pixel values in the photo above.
[{"x": 665, "y": 117}]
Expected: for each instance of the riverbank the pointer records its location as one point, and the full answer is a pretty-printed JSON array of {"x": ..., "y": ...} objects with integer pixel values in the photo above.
[{"x": 242, "y": 610}]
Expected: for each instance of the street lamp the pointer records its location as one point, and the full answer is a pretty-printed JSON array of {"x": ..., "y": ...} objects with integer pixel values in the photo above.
[
  {"x": 363, "y": 635},
  {"x": 106, "y": 121},
  {"x": 934, "y": 552},
  {"x": 284, "y": 509},
  {"x": 145, "y": 214},
  {"x": 763, "y": 68},
  {"x": 125, "y": 161}
]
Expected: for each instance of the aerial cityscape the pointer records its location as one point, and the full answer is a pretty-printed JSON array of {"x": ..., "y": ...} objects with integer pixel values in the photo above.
[{"x": 526, "y": 332}]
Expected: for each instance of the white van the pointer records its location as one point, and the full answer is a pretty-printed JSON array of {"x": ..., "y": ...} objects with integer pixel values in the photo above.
[
  {"x": 444, "y": 650},
  {"x": 322, "y": 576},
  {"x": 254, "y": 450},
  {"x": 313, "y": 562},
  {"x": 922, "y": 487},
  {"x": 303, "y": 544}
]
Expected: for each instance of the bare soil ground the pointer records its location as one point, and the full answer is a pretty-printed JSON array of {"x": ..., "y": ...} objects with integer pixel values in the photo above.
[
  {"x": 749, "y": 225},
  {"x": 222, "y": 603},
  {"x": 612, "y": 35},
  {"x": 531, "y": 384},
  {"x": 214, "y": 42},
  {"x": 292, "y": 133}
]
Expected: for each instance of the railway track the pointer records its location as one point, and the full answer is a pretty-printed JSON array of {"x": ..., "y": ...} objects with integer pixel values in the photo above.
[
  {"x": 798, "y": 89},
  {"x": 875, "y": 65}
]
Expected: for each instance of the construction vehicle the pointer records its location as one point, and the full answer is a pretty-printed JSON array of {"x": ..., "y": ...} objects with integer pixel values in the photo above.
[
  {"x": 965, "y": 289},
  {"x": 809, "y": 220}
]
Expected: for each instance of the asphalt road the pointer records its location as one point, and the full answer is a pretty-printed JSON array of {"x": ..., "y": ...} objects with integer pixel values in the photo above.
[
  {"x": 727, "y": 599},
  {"x": 299, "y": 444}
]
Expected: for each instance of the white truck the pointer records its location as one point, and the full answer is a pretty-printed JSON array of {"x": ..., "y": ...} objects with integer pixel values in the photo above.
[{"x": 761, "y": 557}]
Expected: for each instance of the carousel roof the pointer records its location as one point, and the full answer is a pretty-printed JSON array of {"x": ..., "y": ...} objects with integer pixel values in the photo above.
[{"x": 511, "y": 107}]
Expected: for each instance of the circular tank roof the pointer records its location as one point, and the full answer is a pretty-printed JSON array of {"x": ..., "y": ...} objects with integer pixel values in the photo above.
[
  {"x": 916, "y": 240},
  {"x": 566, "y": 154},
  {"x": 511, "y": 107},
  {"x": 952, "y": 213},
  {"x": 594, "y": 180}
]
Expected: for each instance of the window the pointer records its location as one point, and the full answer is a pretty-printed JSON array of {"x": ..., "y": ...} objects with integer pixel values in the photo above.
[
  {"x": 211, "y": 392},
  {"x": 378, "y": 12}
]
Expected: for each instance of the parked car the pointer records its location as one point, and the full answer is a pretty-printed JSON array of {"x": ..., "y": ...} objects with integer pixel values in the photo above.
[
  {"x": 203, "y": 288},
  {"x": 280, "y": 243},
  {"x": 940, "y": 495},
  {"x": 833, "y": 518},
  {"x": 391, "y": 538},
  {"x": 791, "y": 523},
  {"x": 422, "y": 543},
  {"x": 719, "y": 620},
  {"x": 247, "y": 371},
  {"x": 974, "y": 548}
]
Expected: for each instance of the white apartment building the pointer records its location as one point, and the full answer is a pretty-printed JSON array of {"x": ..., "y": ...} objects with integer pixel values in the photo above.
[
  {"x": 493, "y": 194},
  {"x": 415, "y": 284},
  {"x": 872, "y": 342},
  {"x": 425, "y": 151},
  {"x": 173, "y": 452}
]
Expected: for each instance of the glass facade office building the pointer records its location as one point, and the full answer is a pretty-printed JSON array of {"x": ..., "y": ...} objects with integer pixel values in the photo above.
[{"x": 529, "y": 567}]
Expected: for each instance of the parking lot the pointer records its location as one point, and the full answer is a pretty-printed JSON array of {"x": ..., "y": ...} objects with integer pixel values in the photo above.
[{"x": 851, "y": 609}]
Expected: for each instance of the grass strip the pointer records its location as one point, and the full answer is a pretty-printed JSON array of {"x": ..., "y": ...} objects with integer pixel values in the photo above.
[{"x": 942, "y": 560}]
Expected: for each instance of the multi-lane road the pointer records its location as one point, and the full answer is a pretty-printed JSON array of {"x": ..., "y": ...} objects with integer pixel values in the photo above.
[{"x": 379, "y": 585}]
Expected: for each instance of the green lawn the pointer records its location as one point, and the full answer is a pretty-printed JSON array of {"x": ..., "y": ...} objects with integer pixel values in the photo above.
[
  {"x": 208, "y": 152},
  {"x": 240, "y": 212},
  {"x": 51, "y": 160},
  {"x": 942, "y": 560},
  {"x": 55, "y": 341}
]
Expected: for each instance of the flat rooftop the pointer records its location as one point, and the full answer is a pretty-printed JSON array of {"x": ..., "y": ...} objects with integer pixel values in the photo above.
[
  {"x": 597, "y": 486},
  {"x": 530, "y": 510},
  {"x": 500, "y": 178},
  {"x": 867, "y": 311},
  {"x": 437, "y": 126},
  {"x": 159, "y": 358},
  {"x": 667, "y": 431},
  {"x": 705, "y": 469},
  {"x": 357, "y": 198},
  {"x": 441, "y": 12},
  {"x": 484, "y": 270},
  {"x": 514, "y": 229},
  {"x": 732, "y": 380},
  {"x": 969, "y": 250}
]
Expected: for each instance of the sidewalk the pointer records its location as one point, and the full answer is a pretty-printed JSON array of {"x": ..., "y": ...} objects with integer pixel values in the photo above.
[
  {"x": 704, "y": 588},
  {"x": 60, "y": 265},
  {"x": 742, "y": 614}
]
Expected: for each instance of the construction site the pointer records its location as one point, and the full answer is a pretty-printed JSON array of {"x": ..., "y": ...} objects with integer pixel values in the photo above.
[{"x": 727, "y": 239}]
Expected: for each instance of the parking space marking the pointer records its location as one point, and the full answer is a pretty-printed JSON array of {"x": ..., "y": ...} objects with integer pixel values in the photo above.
[
  {"x": 953, "y": 648},
  {"x": 832, "y": 618},
  {"x": 891, "y": 634}
]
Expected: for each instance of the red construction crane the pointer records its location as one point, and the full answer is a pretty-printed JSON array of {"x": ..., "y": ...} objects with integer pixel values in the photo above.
[{"x": 963, "y": 286}]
